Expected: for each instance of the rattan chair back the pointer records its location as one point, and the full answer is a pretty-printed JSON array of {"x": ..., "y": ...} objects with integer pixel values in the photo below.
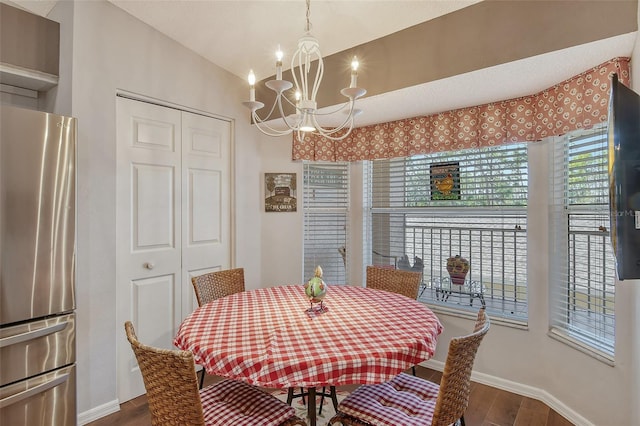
[
  {"x": 383, "y": 402},
  {"x": 398, "y": 281},
  {"x": 214, "y": 285},
  {"x": 174, "y": 398},
  {"x": 455, "y": 384},
  {"x": 170, "y": 380}
]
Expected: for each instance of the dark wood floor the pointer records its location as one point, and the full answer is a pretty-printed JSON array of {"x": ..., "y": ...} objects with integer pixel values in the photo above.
[{"x": 487, "y": 407}]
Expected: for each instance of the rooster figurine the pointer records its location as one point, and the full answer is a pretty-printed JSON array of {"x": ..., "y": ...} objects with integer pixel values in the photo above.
[{"x": 316, "y": 289}]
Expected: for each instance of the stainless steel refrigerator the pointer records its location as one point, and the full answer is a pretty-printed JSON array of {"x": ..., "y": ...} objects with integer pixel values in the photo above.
[{"x": 37, "y": 275}]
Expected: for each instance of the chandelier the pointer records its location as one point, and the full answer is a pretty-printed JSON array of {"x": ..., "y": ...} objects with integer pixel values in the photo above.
[{"x": 307, "y": 69}]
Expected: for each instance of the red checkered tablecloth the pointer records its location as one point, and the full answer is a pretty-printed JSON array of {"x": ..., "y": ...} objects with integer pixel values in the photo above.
[{"x": 267, "y": 338}]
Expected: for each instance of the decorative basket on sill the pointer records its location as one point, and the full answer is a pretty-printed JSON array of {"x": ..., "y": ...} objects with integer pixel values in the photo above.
[{"x": 458, "y": 267}]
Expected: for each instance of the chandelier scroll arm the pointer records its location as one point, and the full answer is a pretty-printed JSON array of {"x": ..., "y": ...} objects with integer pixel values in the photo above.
[{"x": 268, "y": 130}]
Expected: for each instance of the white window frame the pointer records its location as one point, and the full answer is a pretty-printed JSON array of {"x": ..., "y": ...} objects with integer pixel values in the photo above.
[
  {"x": 582, "y": 279},
  {"x": 455, "y": 234}
]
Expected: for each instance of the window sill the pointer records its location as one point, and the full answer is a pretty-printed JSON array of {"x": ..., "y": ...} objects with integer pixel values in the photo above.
[
  {"x": 472, "y": 313},
  {"x": 563, "y": 337}
]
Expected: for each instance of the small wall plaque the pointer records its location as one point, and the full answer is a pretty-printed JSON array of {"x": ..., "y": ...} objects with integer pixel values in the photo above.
[{"x": 280, "y": 192}]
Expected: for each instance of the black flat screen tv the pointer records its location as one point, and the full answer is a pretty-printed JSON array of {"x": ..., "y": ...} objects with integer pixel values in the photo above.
[{"x": 624, "y": 178}]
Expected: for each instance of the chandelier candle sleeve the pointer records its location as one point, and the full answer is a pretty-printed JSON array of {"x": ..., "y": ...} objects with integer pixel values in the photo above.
[
  {"x": 252, "y": 86},
  {"x": 354, "y": 73}
]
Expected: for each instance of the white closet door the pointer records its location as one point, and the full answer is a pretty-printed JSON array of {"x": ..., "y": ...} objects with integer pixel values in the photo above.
[
  {"x": 206, "y": 200},
  {"x": 172, "y": 220}
]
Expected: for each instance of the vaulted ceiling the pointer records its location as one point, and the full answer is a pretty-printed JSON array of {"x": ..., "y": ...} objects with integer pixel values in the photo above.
[{"x": 418, "y": 57}]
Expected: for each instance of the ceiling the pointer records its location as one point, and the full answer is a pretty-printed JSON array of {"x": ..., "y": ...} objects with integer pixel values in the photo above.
[{"x": 241, "y": 35}]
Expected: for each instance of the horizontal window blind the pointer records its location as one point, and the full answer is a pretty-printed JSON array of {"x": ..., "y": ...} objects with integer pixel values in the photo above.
[
  {"x": 326, "y": 209},
  {"x": 479, "y": 178},
  {"x": 470, "y": 203},
  {"x": 583, "y": 274}
]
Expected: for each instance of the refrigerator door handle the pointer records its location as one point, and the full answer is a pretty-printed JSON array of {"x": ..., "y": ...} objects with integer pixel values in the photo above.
[
  {"x": 30, "y": 335},
  {"x": 34, "y": 391}
]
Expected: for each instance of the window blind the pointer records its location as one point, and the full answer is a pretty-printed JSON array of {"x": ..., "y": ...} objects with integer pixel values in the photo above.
[
  {"x": 487, "y": 177},
  {"x": 471, "y": 203},
  {"x": 583, "y": 266},
  {"x": 326, "y": 210}
]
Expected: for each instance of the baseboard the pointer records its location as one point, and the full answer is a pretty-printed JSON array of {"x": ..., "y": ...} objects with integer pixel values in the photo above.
[
  {"x": 520, "y": 389},
  {"x": 99, "y": 412}
]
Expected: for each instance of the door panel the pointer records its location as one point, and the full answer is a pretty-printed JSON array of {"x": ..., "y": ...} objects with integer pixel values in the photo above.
[
  {"x": 153, "y": 221},
  {"x": 155, "y": 324},
  {"x": 204, "y": 198}
]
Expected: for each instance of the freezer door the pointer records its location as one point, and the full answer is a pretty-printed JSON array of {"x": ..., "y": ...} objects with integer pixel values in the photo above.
[
  {"x": 45, "y": 400},
  {"x": 33, "y": 348},
  {"x": 37, "y": 214}
]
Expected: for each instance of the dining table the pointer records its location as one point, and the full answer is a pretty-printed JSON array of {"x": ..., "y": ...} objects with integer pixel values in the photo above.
[{"x": 275, "y": 338}]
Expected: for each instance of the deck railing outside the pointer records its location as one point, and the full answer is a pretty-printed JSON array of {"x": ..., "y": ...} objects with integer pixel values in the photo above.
[
  {"x": 498, "y": 257},
  {"x": 590, "y": 292}
]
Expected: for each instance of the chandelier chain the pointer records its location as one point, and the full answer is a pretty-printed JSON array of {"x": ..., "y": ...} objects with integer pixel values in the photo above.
[{"x": 308, "y": 27}]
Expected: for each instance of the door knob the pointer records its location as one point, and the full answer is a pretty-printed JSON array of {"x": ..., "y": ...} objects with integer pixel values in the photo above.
[{"x": 148, "y": 265}]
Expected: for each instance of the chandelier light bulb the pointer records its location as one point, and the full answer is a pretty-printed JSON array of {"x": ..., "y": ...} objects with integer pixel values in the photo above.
[
  {"x": 252, "y": 86},
  {"x": 354, "y": 72},
  {"x": 298, "y": 97},
  {"x": 355, "y": 64},
  {"x": 279, "y": 56},
  {"x": 307, "y": 125}
]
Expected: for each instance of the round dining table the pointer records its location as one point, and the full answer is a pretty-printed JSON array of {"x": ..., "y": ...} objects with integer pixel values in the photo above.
[{"x": 274, "y": 338}]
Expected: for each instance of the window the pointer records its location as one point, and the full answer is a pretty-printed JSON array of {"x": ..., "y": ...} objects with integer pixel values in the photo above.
[
  {"x": 326, "y": 211},
  {"x": 583, "y": 265},
  {"x": 417, "y": 211}
]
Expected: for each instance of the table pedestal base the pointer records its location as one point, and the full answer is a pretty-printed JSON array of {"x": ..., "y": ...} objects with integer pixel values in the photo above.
[{"x": 311, "y": 400}]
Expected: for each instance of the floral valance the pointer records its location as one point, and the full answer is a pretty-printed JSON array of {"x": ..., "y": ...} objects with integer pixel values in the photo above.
[{"x": 579, "y": 102}]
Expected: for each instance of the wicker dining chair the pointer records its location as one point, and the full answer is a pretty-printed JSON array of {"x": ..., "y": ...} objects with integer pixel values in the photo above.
[
  {"x": 214, "y": 285},
  {"x": 411, "y": 401},
  {"x": 406, "y": 283},
  {"x": 174, "y": 398},
  {"x": 217, "y": 284}
]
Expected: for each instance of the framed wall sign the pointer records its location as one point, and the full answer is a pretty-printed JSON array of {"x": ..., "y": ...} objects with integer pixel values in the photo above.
[
  {"x": 445, "y": 181},
  {"x": 280, "y": 192}
]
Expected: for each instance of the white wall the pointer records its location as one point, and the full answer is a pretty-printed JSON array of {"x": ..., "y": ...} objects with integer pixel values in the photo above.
[
  {"x": 281, "y": 237},
  {"x": 109, "y": 51}
]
